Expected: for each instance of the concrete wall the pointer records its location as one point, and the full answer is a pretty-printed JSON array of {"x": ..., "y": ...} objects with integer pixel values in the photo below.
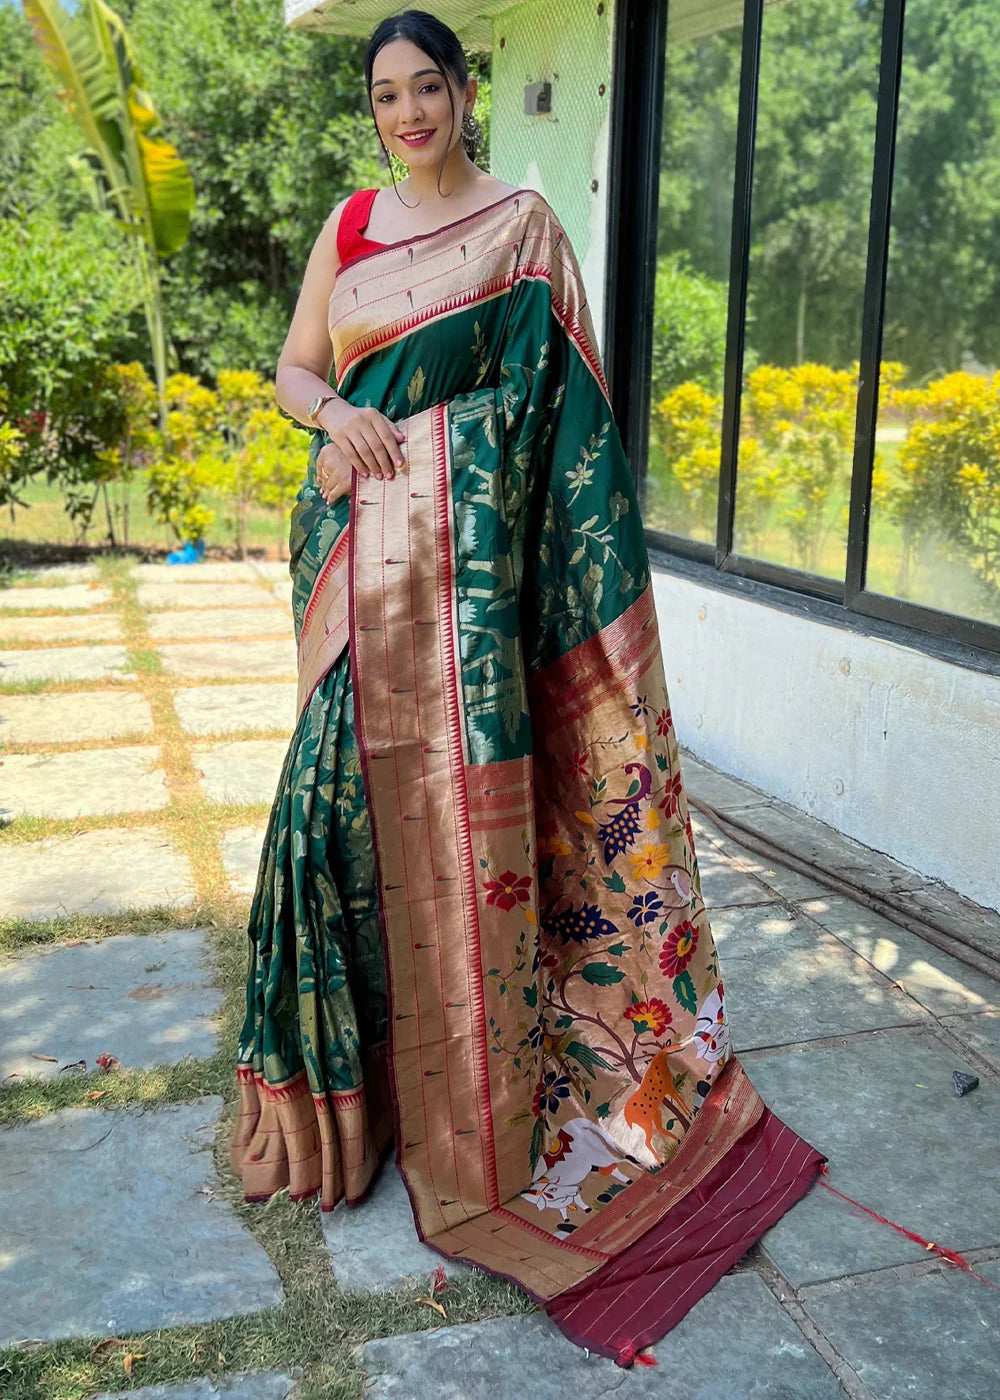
[
  {"x": 562, "y": 153},
  {"x": 893, "y": 747}
]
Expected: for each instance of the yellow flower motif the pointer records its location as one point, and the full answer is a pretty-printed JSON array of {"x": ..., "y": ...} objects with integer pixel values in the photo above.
[
  {"x": 552, "y": 846},
  {"x": 652, "y": 819},
  {"x": 649, "y": 862}
]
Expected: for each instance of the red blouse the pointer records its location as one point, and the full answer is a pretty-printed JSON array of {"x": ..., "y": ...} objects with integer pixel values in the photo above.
[{"x": 354, "y": 216}]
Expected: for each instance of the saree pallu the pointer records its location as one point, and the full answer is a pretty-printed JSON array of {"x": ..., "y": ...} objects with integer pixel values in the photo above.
[{"x": 478, "y": 926}]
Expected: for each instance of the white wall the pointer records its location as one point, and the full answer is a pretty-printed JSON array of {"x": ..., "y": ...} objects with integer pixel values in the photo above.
[{"x": 893, "y": 747}]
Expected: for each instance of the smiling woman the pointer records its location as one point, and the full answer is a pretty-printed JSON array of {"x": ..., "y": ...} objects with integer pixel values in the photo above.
[{"x": 478, "y": 925}]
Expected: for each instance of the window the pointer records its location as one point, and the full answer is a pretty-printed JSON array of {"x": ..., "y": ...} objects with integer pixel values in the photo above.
[{"x": 824, "y": 397}]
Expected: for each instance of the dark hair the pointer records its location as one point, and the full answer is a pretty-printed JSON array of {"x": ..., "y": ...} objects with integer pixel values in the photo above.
[{"x": 436, "y": 40}]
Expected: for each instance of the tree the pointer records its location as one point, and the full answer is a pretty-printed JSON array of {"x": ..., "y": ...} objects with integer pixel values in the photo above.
[
  {"x": 275, "y": 125},
  {"x": 133, "y": 169}
]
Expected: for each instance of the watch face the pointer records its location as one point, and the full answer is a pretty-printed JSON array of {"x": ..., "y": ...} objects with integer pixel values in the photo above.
[{"x": 314, "y": 406}]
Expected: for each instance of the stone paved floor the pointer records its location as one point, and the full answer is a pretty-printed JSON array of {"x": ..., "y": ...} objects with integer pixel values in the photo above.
[{"x": 849, "y": 1024}]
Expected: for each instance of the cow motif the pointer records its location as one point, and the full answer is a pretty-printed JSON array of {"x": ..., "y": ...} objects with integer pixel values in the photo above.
[
  {"x": 582, "y": 1147},
  {"x": 711, "y": 1031}
]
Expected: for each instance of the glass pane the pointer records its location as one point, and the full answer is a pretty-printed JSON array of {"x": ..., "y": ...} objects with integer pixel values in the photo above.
[
  {"x": 701, "y": 92},
  {"x": 935, "y": 526},
  {"x": 808, "y": 252}
]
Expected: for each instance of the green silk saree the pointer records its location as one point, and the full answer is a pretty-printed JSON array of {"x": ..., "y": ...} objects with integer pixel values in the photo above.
[{"x": 478, "y": 927}]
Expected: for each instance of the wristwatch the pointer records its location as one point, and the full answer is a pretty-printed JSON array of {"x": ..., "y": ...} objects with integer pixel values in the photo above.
[{"x": 316, "y": 405}]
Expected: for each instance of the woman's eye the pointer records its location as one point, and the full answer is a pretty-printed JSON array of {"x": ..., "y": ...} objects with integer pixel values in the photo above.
[{"x": 427, "y": 87}]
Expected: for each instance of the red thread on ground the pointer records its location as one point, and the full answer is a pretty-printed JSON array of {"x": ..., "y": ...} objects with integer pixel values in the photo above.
[{"x": 951, "y": 1255}]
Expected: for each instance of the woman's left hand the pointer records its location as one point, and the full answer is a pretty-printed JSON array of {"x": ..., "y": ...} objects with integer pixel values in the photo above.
[{"x": 333, "y": 473}]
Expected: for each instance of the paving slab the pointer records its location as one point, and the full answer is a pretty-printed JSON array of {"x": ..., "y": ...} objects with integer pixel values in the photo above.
[
  {"x": 176, "y": 594},
  {"x": 938, "y": 1335},
  {"x": 787, "y": 884},
  {"x": 813, "y": 840},
  {"x": 222, "y": 709},
  {"x": 72, "y": 597},
  {"x": 77, "y": 627},
  {"x": 274, "y": 621},
  {"x": 83, "y": 663},
  {"x": 246, "y": 770},
  {"x": 149, "y": 999},
  {"x": 718, "y": 789},
  {"x": 274, "y": 569},
  {"x": 735, "y": 1344},
  {"x": 64, "y": 573},
  {"x": 980, "y": 1033},
  {"x": 723, "y": 883},
  {"x": 252, "y": 1385},
  {"x": 98, "y": 872},
  {"x": 210, "y": 571},
  {"x": 241, "y": 850},
  {"x": 207, "y": 660},
  {"x": 939, "y": 982},
  {"x": 64, "y": 719},
  {"x": 132, "y": 1238},
  {"x": 93, "y": 782},
  {"x": 786, "y": 981},
  {"x": 374, "y": 1246},
  {"x": 882, "y": 1109}
]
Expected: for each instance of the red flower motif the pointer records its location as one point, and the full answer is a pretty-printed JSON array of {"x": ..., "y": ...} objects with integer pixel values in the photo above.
[
  {"x": 678, "y": 948},
  {"x": 578, "y": 764},
  {"x": 509, "y": 890},
  {"x": 664, "y": 723},
  {"x": 670, "y": 800},
  {"x": 653, "y": 1015}
]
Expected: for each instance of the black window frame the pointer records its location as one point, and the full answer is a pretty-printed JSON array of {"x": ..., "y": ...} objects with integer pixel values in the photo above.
[{"x": 638, "y": 66}]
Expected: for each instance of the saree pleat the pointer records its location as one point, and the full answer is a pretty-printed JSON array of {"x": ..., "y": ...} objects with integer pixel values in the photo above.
[
  {"x": 314, "y": 1110},
  {"x": 478, "y": 925}
]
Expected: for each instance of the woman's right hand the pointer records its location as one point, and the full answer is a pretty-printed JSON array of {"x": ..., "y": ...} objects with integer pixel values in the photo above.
[{"x": 365, "y": 439}]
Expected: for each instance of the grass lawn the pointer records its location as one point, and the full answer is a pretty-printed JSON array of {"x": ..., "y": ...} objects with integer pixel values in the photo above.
[{"x": 43, "y": 521}]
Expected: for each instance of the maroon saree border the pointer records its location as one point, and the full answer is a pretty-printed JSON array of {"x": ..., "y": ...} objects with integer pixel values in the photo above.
[{"x": 643, "y": 1293}]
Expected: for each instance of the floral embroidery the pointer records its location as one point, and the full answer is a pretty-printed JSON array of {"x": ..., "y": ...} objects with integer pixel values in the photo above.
[
  {"x": 669, "y": 802},
  {"x": 548, "y": 1091},
  {"x": 653, "y": 1016},
  {"x": 619, "y": 832},
  {"x": 649, "y": 862},
  {"x": 579, "y": 925},
  {"x": 552, "y": 846},
  {"x": 664, "y": 723},
  {"x": 508, "y": 891},
  {"x": 579, "y": 764},
  {"x": 641, "y": 706},
  {"x": 678, "y": 948},
  {"x": 646, "y": 908}
]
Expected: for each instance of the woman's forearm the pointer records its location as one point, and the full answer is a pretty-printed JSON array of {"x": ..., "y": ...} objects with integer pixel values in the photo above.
[{"x": 295, "y": 387}]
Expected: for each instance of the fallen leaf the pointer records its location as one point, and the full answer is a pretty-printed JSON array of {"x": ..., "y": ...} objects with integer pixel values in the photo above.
[
  {"x": 108, "y": 1342},
  {"x": 222, "y": 1359},
  {"x": 151, "y": 991},
  {"x": 431, "y": 1304},
  {"x": 439, "y": 1281},
  {"x": 95, "y": 1094},
  {"x": 133, "y": 1356},
  {"x": 77, "y": 1064},
  {"x": 52, "y": 1059}
]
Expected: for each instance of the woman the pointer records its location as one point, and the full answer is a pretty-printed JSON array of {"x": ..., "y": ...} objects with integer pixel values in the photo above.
[{"x": 478, "y": 925}]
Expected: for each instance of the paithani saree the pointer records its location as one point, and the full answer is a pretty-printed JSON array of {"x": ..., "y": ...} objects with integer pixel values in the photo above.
[{"x": 478, "y": 927}]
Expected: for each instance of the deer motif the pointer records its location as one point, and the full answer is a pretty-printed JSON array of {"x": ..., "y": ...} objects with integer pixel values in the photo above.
[{"x": 642, "y": 1109}]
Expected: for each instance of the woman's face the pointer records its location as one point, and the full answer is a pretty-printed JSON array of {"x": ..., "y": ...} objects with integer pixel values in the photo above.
[{"x": 412, "y": 111}]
